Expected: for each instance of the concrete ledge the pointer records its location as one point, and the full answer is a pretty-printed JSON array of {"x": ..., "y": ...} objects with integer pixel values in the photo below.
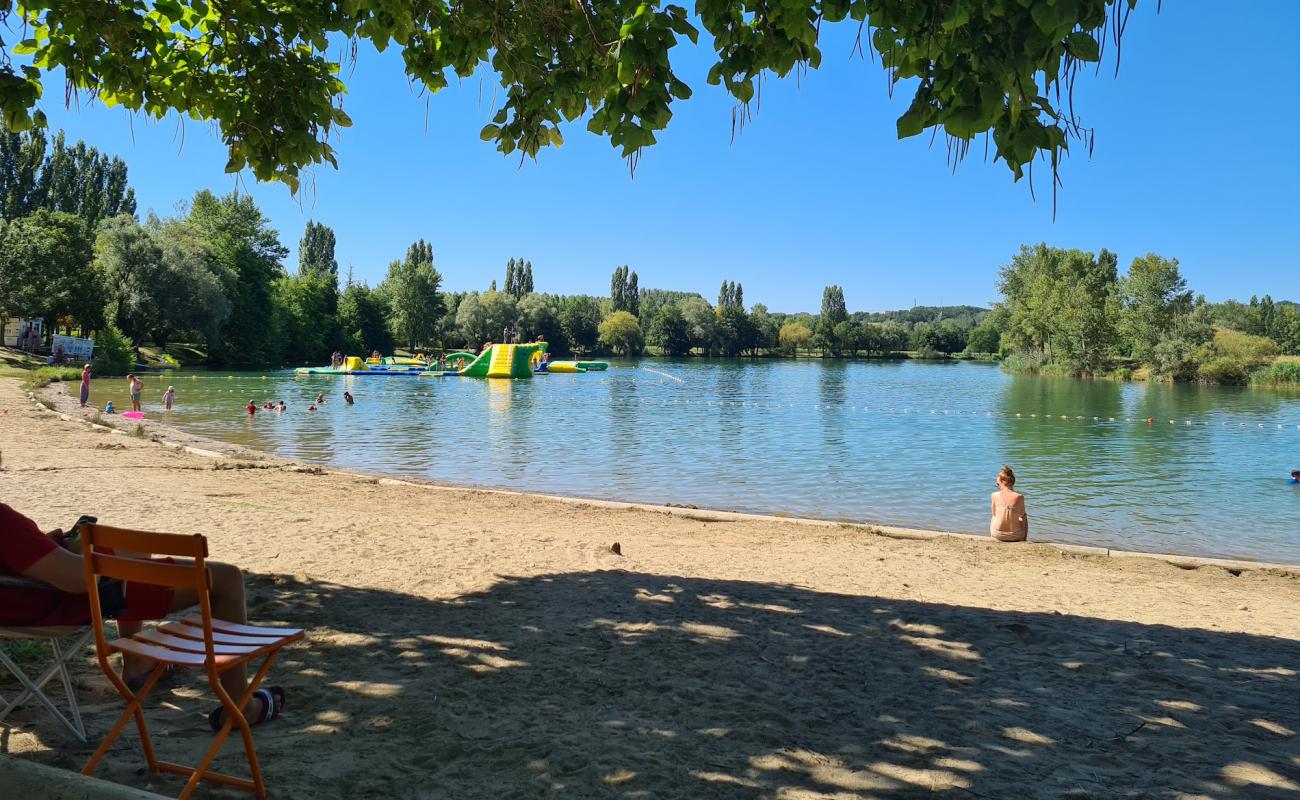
[{"x": 22, "y": 778}]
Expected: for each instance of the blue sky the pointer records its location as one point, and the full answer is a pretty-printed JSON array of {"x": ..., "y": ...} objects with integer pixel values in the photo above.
[{"x": 1197, "y": 157}]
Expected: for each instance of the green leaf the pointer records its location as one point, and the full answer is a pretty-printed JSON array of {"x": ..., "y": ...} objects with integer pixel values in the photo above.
[
  {"x": 25, "y": 48},
  {"x": 916, "y": 119},
  {"x": 626, "y": 73},
  {"x": 1082, "y": 46},
  {"x": 489, "y": 132},
  {"x": 959, "y": 17}
]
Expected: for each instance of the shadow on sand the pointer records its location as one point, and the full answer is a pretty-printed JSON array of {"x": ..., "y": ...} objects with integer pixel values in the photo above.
[{"x": 628, "y": 685}]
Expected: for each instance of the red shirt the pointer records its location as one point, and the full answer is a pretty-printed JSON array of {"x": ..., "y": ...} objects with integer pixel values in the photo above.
[
  {"x": 252, "y": 409},
  {"x": 21, "y": 545}
]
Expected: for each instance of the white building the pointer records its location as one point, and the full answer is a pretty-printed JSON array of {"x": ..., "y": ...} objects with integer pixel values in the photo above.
[{"x": 16, "y": 330}]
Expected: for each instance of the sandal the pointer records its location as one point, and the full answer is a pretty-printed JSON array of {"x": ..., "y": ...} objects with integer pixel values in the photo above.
[{"x": 272, "y": 699}]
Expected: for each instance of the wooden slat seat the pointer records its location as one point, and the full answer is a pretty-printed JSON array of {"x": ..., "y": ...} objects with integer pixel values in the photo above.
[
  {"x": 186, "y": 631},
  {"x": 247, "y": 630},
  {"x": 164, "y": 655},
  {"x": 191, "y": 646},
  {"x": 199, "y": 642}
]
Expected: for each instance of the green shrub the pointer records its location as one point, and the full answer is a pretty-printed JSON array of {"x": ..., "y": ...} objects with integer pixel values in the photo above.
[
  {"x": 1279, "y": 373},
  {"x": 929, "y": 355},
  {"x": 1122, "y": 374},
  {"x": 1223, "y": 370},
  {"x": 1024, "y": 363},
  {"x": 1251, "y": 352},
  {"x": 44, "y": 376},
  {"x": 113, "y": 354},
  {"x": 1175, "y": 358}
]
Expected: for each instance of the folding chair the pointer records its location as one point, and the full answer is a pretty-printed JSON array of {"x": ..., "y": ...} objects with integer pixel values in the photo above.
[
  {"x": 35, "y": 688},
  {"x": 212, "y": 645}
]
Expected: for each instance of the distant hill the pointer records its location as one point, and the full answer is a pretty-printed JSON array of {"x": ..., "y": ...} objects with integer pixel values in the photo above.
[{"x": 964, "y": 316}]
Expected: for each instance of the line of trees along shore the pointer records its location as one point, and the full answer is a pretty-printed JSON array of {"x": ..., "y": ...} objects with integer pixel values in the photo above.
[
  {"x": 73, "y": 253},
  {"x": 1070, "y": 312}
]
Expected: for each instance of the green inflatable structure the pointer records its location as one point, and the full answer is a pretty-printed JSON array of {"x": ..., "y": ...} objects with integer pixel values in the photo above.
[{"x": 504, "y": 361}]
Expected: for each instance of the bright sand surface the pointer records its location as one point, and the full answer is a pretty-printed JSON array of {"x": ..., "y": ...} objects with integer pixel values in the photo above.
[{"x": 465, "y": 643}]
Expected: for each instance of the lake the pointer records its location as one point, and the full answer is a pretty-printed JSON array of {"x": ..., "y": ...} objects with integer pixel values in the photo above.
[{"x": 906, "y": 443}]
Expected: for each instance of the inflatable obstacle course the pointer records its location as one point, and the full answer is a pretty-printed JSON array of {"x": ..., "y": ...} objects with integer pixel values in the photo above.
[
  {"x": 504, "y": 361},
  {"x": 497, "y": 361}
]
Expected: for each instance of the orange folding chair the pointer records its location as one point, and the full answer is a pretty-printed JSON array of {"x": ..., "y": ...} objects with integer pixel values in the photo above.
[{"x": 212, "y": 645}]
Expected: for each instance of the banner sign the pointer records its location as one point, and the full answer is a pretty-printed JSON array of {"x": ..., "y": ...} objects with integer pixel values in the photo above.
[{"x": 74, "y": 348}]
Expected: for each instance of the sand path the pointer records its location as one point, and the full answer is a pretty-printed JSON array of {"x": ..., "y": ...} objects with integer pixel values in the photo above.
[{"x": 469, "y": 644}]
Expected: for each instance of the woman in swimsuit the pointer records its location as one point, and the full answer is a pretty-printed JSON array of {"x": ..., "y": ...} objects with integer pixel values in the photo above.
[
  {"x": 85, "y": 385},
  {"x": 1009, "y": 523}
]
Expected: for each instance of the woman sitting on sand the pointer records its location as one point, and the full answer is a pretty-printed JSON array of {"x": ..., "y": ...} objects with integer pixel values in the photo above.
[{"x": 1010, "y": 523}]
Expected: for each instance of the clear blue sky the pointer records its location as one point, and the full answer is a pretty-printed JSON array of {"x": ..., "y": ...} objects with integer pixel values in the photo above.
[{"x": 1197, "y": 157}]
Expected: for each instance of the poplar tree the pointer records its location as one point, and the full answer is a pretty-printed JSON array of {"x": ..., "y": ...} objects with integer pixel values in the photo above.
[{"x": 73, "y": 179}]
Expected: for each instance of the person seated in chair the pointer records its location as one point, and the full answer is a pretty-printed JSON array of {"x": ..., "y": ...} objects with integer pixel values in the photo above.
[{"x": 52, "y": 558}]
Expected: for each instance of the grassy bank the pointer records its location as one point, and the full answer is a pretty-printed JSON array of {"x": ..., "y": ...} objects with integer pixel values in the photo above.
[
  {"x": 32, "y": 371},
  {"x": 1285, "y": 372}
]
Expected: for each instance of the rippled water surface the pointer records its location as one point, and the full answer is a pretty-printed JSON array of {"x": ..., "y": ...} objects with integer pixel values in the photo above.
[{"x": 906, "y": 443}]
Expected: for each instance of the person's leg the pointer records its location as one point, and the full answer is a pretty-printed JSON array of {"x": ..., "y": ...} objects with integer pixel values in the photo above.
[
  {"x": 133, "y": 667},
  {"x": 227, "y": 599}
]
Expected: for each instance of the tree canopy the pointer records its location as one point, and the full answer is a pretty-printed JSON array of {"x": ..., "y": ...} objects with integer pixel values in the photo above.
[
  {"x": 267, "y": 73},
  {"x": 75, "y": 179}
]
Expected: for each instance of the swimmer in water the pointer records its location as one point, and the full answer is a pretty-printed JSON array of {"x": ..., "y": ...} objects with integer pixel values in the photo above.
[
  {"x": 311, "y": 408},
  {"x": 320, "y": 398},
  {"x": 1295, "y": 476},
  {"x": 348, "y": 397}
]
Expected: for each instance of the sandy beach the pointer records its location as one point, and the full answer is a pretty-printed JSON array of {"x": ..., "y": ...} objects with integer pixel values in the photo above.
[{"x": 466, "y": 643}]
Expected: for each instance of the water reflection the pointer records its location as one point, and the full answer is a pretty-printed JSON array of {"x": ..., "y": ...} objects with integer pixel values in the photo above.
[{"x": 895, "y": 442}]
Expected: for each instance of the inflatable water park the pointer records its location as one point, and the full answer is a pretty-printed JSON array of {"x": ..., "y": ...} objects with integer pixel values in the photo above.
[
  {"x": 496, "y": 361},
  {"x": 162, "y": 362}
]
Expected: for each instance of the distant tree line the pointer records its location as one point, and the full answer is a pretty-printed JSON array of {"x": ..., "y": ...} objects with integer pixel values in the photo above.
[
  {"x": 74, "y": 253},
  {"x": 1071, "y": 312}
]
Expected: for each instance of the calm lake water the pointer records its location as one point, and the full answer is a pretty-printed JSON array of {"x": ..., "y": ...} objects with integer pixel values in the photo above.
[{"x": 905, "y": 443}]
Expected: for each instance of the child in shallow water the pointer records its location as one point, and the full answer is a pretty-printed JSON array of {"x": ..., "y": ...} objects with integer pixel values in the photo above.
[
  {"x": 1295, "y": 476},
  {"x": 169, "y": 397},
  {"x": 348, "y": 397}
]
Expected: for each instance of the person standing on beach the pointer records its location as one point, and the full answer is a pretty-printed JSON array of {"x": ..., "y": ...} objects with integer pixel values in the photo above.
[
  {"x": 1009, "y": 522},
  {"x": 136, "y": 385},
  {"x": 169, "y": 397},
  {"x": 85, "y": 385}
]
